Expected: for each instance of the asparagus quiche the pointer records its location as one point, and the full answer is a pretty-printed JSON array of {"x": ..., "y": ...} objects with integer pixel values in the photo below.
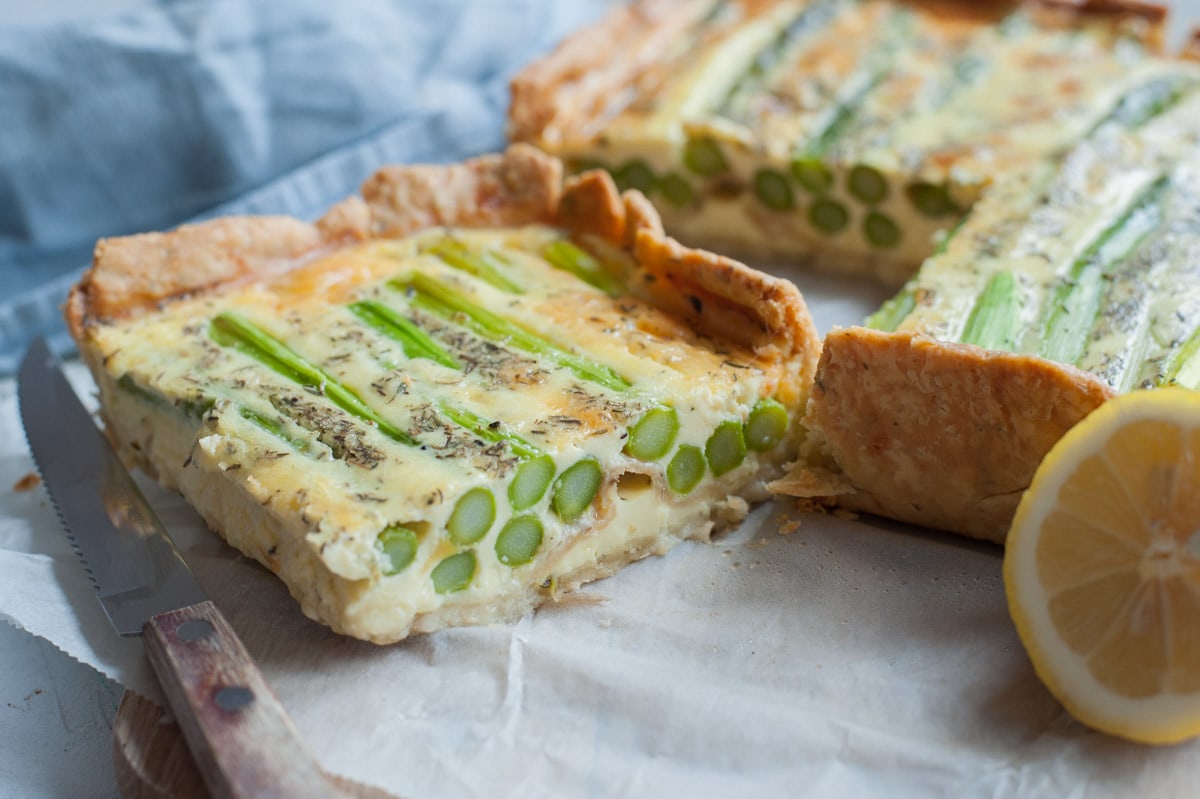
[
  {"x": 848, "y": 133},
  {"x": 451, "y": 398}
]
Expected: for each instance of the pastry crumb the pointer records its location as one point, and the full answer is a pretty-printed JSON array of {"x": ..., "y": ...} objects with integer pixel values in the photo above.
[{"x": 27, "y": 483}]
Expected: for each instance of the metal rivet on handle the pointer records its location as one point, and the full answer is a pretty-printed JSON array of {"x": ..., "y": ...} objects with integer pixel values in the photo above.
[
  {"x": 194, "y": 630},
  {"x": 233, "y": 697}
]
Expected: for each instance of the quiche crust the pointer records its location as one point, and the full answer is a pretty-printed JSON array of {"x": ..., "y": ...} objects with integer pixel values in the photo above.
[
  {"x": 324, "y": 548},
  {"x": 935, "y": 433}
]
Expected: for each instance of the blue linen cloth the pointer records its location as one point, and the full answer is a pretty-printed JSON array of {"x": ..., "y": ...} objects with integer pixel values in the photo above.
[{"x": 175, "y": 110}]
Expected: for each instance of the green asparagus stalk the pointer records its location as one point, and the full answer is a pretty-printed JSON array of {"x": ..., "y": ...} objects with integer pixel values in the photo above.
[
  {"x": 1147, "y": 101},
  {"x": 811, "y": 173},
  {"x": 274, "y": 428},
  {"x": 472, "y": 516},
  {"x": 1183, "y": 367},
  {"x": 808, "y": 161},
  {"x": 1077, "y": 298},
  {"x": 676, "y": 190},
  {"x": 828, "y": 216},
  {"x": 867, "y": 184},
  {"x": 703, "y": 155},
  {"x": 442, "y": 300},
  {"x": 486, "y": 265},
  {"x": 994, "y": 322},
  {"x": 398, "y": 546},
  {"x": 568, "y": 257},
  {"x": 636, "y": 175},
  {"x": 415, "y": 342},
  {"x": 774, "y": 190},
  {"x": 576, "y": 487},
  {"x": 726, "y": 448},
  {"x": 807, "y": 164},
  {"x": 651, "y": 436},
  {"x": 766, "y": 425},
  {"x": 454, "y": 573},
  {"x": 193, "y": 408},
  {"x": 686, "y": 469},
  {"x": 880, "y": 230},
  {"x": 232, "y": 330},
  {"x": 519, "y": 540},
  {"x": 931, "y": 200},
  {"x": 812, "y": 18},
  {"x": 893, "y": 311}
]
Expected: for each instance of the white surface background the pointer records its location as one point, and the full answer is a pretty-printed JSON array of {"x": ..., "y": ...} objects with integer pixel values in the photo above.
[{"x": 55, "y": 713}]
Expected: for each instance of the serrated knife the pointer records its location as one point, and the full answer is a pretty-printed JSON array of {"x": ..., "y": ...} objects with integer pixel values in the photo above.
[{"x": 239, "y": 734}]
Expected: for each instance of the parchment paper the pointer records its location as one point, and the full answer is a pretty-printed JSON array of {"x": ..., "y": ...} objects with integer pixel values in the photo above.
[{"x": 799, "y": 655}]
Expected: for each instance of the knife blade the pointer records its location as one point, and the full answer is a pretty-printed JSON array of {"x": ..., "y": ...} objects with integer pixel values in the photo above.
[{"x": 238, "y": 732}]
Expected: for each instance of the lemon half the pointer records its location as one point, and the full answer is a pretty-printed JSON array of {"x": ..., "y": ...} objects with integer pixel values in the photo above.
[{"x": 1102, "y": 567}]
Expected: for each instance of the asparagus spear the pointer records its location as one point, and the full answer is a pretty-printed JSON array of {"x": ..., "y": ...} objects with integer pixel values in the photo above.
[
  {"x": 808, "y": 162},
  {"x": 703, "y": 155},
  {"x": 454, "y": 573},
  {"x": 472, "y": 516},
  {"x": 274, "y": 428},
  {"x": 486, "y": 265},
  {"x": 994, "y": 322},
  {"x": 194, "y": 408},
  {"x": 1077, "y": 298},
  {"x": 415, "y": 342},
  {"x": 398, "y": 545},
  {"x": 1147, "y": 101},
  {"x": 726, "y": 448},
  {"x": 232, "y": 330},
  {"x": 442, "y": 300},
  {"x": 774, "y": 190},
  {"x": 576, "y": 487},
  {"x": 651, "y": 437},
  {"x": 568, "y": 257},
  {"x": 676, "y": 190},
  {"x": 686, "y": 469},
  {"x": 519, "y": 540},
  {"x": 828, "y": 216},
  {"x": 766, "y": 425},
  {"x": 811, "y": 19},
  {"x": 893, "y": 311}
]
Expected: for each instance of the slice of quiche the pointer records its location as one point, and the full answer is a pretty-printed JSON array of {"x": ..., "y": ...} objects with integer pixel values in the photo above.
[
  {"x": 452, "y": 398},
  {"x": 848, "y": 133},
  {"x": 1066, "y": 285}
]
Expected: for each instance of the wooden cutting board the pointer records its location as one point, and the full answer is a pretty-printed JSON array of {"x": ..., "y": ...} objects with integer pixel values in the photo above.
[{"x": 152, "y": 760}]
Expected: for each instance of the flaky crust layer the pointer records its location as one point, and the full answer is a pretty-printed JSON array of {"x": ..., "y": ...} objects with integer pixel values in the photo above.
[{"x": 943, "y": 435}]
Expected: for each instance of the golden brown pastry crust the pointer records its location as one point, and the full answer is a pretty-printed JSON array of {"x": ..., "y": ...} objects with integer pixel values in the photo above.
[{"x": 943, "y": 435}]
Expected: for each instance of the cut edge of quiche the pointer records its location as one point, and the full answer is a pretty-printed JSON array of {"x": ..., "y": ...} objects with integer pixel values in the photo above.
[{"x": 469, "y": 390}]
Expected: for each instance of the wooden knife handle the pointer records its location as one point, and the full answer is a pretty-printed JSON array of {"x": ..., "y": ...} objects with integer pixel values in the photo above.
[{"x": 240, "y": 736}]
